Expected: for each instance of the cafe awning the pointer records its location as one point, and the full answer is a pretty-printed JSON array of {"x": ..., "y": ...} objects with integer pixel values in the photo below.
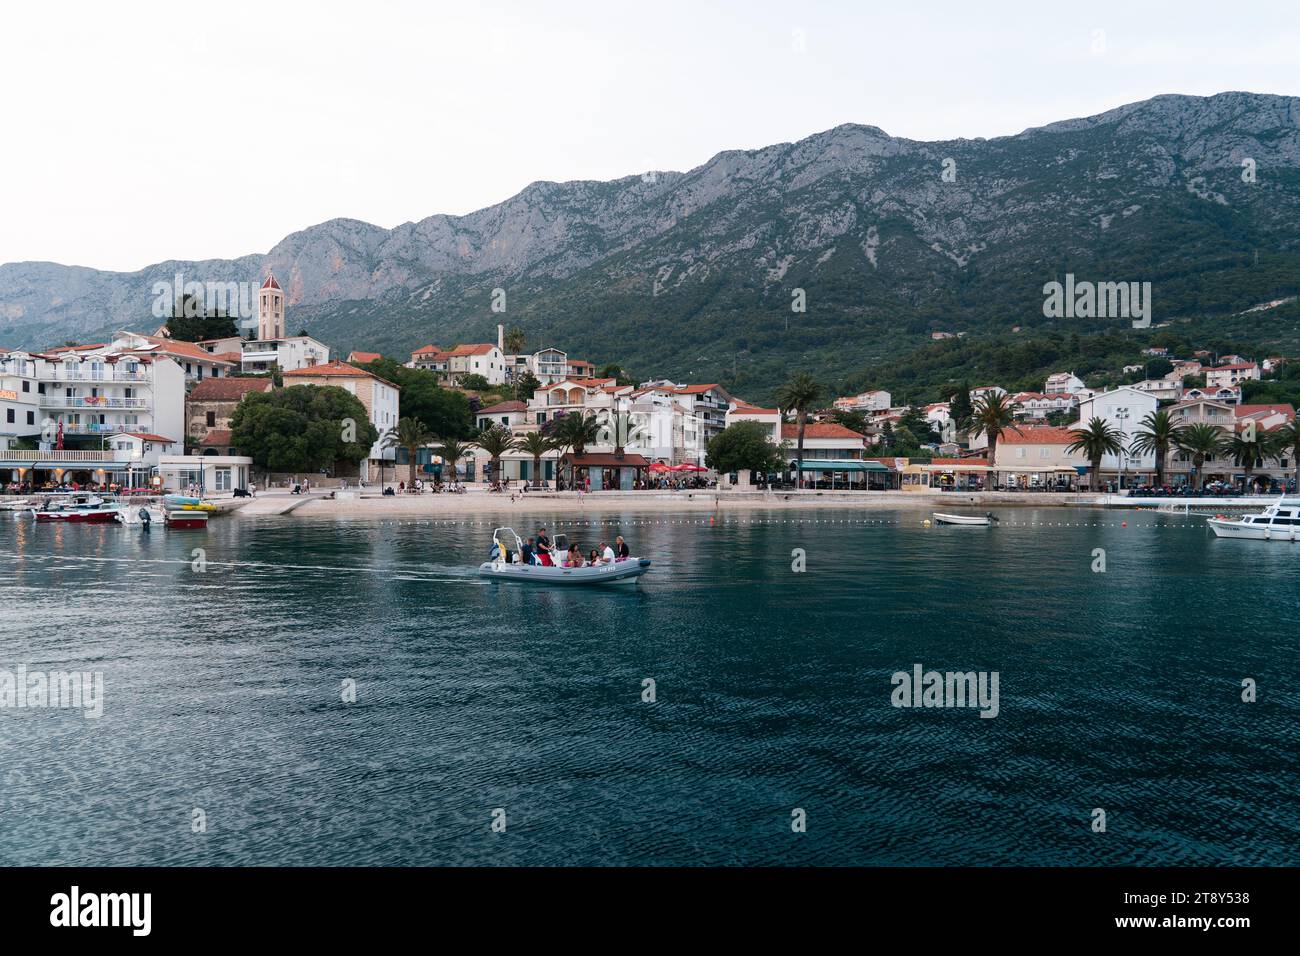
[{"x": 823, "y": 465}]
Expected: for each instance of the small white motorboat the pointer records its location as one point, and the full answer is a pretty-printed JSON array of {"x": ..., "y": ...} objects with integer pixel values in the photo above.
[
  {"x": 506, "y": 566},
  {"x": 80, "y": 507},
  {"x": 1280, "y": 521},
  {"x": 141, "y": 515},
  {"x": 983, "y": 521}
]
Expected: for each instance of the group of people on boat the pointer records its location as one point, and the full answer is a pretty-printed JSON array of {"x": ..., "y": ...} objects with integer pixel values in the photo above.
[{"x": 539, "y": 550}]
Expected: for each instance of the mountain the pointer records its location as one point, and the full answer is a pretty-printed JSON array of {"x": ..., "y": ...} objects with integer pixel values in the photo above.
[{"x": 692, "y": 275}]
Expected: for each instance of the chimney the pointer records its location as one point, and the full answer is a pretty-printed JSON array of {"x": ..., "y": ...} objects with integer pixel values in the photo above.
[{"x": 501, "y": 337}]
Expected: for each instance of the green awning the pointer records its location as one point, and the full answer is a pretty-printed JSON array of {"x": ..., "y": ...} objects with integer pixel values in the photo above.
[{"x": 831, "y": 465}]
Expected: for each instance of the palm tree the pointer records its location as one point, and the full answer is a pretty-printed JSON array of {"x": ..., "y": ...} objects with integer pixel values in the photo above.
[
  {"x": 1156, "y": 435},
  {"x": 1245, "y": 448},
  {"x": 496, "y": 441},
  {"x": 537, "y": 445},
  {"x": 1200, "y": 442},
  {"x": 1098, "y": 439},
  {"x": 799, "y": 395},
  {"x": 575, "y": 430},
  {"x": 993, "y": 414},
  {"x": 1288, "y": 441},
  {"x": 451, "y": 451},
  {"x": 411, "y": 434},
  {"x": 514, "y": 341}
]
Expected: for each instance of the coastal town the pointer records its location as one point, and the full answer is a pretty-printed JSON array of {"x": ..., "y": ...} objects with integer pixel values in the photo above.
[{"x": 151, "y": 412}]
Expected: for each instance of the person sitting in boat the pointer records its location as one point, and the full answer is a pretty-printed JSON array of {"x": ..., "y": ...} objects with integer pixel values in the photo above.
[
  {"x": 528, "y": 551},
  {"x": 593, "y": 559},
  {"x": 620, "y": 549},
  {"x": 606, "y": 554},
  {"x": 574, "y": 558}
]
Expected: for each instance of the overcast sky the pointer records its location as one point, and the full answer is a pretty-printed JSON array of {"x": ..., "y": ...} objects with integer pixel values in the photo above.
[{"x": 134, "y": 133}]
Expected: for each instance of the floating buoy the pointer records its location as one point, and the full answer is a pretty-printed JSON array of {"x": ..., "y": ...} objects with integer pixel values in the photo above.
[
  {"x": 925, "y": 523},
  {"x": 1123, "y": 524}
]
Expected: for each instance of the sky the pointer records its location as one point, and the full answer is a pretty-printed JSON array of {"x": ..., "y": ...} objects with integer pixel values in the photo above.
[{"x": 136, "y": 133}]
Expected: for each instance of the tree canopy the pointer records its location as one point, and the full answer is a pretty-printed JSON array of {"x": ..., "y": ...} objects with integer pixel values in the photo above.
[
  {"x": 302, "y": 428},
  {"x": 744, "y": 446},
  {"x": 443, "y": 411}
]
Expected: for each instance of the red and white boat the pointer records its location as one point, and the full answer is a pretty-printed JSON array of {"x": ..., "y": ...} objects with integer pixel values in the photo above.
[
  {"x": 76, "y": 507},
  {"x": 179, "y": 518}
]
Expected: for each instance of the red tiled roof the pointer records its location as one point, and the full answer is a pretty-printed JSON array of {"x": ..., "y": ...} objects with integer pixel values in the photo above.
[
  {"x": 216, "y": 436},
  {"x": 1232, "y": 368},
  {"x": 693, "y": 389},
  {"x": 819, "y": 430},
  {"x": 1038, "y": 436},
  {"x": 189, "y": 350},
  {"x": 335, "y": 369},
  {"x": 747, "y": 409},
  {"x": 364, "y": 357},
  {"x": 1246, "y": 411},
  {"x": 149, "y": 436},
  {"x": 270, "y": 282},
  {"x": 228, "y": 389},
  {"x": 75, "y": 348},
  {"x": 504, "y": 407},
  {"x": 462, "y": 350},
  {"x": 424, "y": 350}
]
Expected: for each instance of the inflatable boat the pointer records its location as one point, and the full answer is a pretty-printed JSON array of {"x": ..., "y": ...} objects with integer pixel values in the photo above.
[{"x": 505, "y": 566}]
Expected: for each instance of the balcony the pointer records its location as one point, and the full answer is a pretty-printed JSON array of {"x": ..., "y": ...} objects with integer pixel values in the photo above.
[
  {"x": 94, "y": 428},
  {"x": 104, "y": 374},
  {"x": 60, "y": 401}
]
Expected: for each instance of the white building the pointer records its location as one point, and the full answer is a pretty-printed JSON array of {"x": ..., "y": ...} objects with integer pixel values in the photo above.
[
  {"x": 1062, "y": 382},
  {"x": 20, "y": 412},
  {"x": 272, "y": 348},
  {"x": 877, "y": 400},
  {"x": 1164, "y": 389},
  {"x": 93, "y": 393},
  {"x": 1123, "y": 408},
  {"x": 1231, "y": 374},
  {"x": 1040, "y": 405}
]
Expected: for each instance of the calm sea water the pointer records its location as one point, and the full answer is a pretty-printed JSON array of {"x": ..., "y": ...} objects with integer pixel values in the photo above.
[{"x": 1118, "y": 690}]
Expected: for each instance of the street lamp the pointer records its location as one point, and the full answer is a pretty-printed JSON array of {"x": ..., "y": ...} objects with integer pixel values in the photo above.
[{"x": 1122, "y": 415}]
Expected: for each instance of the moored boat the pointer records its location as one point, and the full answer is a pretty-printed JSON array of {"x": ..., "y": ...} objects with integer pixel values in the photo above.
[
  {"x": 976, "y": 520},
  {"x": 181, "y": 519},
  {"x": 1280, "y": 521},
  {"x": 187, "y": 503},
  {"x": 504, "y": 566},
  {"x": 76, "y": 507}
]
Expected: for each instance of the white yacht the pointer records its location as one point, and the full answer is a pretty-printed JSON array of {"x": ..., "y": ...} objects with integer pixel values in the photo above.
[{"x": 1280, "y": 521}]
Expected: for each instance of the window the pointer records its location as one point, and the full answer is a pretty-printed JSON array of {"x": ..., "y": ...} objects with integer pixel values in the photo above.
[
  {"x": 222, "y": 477},
  {"x": 27, "y": 386},
  {"x": 9, "y": 415},
  {"x": 212, "y": 419},
  {"x": 31, "y": 418}
]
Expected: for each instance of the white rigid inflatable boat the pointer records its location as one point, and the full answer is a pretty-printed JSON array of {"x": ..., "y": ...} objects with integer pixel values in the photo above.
[{"x": 507, "y": 546}]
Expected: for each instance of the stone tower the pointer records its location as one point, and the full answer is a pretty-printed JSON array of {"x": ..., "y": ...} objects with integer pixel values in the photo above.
[{"x": 270, "y": 310}]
